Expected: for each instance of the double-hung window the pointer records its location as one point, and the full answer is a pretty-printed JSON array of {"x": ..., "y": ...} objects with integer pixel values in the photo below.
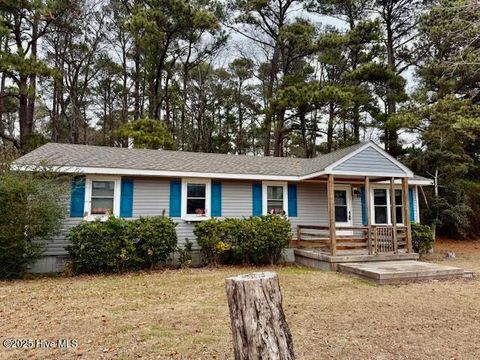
[
  {"x": 398, "y": 206},
  {"x": 102, "y": 197},
  {"x": 196, "y": 199},
  {"x": 275, "y": 198},
  {"x": 382, "y": 206},
  {"x": 380, "y": 203}
]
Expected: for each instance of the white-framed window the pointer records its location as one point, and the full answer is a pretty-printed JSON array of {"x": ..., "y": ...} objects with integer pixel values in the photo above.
[
  {"x": 398, "y": 206},
  {"x": 275, "y": 197},
  {"x": 102, "y": 196},
  {"x": 196, "y": 199},
  {"x": 343, "y": 204},
  {"x": 381, "y": 206}
]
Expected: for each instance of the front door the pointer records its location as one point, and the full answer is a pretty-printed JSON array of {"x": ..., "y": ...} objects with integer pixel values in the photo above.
[{"x": 343, "y": 209}]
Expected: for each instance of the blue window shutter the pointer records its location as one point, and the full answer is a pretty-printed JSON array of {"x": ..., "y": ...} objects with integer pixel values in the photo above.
[
  {"x": 411, "y": 204},
  {"x": 175, "y": 198},
  {"x": 364, "y": 205},
  {"x": 257, "y": 200},
  {"x": 77, "y": 198},
  {"x": 216, "y": 207},
  {"x": 126, "y": 198},
  {"x": 292, "y": 200}
]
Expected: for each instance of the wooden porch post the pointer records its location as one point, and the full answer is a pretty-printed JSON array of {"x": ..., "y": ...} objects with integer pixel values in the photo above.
[
  {"x": 406, "y": 214},
  {"x": 331, "y": 214},
  {"x": 369, "y": 215},
  {"x": 393, "y": 216}
]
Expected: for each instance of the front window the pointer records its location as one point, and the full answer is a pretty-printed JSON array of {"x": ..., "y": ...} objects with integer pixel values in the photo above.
[
  {"x": 196, "y": 199},
  {"x": 102, "y": 197},
  {"x": 380, "y": 204},
  {"x": 398, "y": 206},
  {"x": 275, "y": 197}
]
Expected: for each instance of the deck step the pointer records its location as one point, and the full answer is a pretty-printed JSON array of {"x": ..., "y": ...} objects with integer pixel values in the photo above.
[
  {"x": 392, "y": 272},
  {"x": 351, "y": 244}
]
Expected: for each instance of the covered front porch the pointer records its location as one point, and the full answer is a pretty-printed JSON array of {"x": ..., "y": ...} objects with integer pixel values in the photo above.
[{"x": 383, "y": 233}]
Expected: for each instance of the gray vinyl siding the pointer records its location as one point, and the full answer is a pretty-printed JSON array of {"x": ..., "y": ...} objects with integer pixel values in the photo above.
[
  {"x": 151, "y": 196},
  {"x": 236, "y": 199},
  {"x": 57, "y": 244},
  {"x": 312, "y": 206},
  {"x": 356, "y": 211},
  {"x": 369, "y": 160}
]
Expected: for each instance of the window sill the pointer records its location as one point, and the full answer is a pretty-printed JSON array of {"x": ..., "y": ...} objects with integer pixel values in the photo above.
[
  {"x": 196, "y": 218},
  {"x": 97, "y": 217}
]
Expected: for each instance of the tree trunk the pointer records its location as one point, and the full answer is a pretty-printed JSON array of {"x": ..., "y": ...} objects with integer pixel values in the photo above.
[
  {"x": 279, "y": 133},
  {"x": 391, "y": 136},
  {"x": 268, "y": 98},
  {"x": 330, "y": 127},
  {"x": 136, "y": 87},
  {"x": 25, "y": 125},
  {"x": 259, "y": 328},
  {"x": 435, "y": 221}
]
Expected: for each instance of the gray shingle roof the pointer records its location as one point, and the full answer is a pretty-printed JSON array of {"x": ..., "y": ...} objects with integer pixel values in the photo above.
[{"x": 55, "y": 154}]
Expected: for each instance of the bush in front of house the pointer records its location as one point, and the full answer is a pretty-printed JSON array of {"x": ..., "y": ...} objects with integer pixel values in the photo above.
[
  {"x": 117, "y": 245},
  {"x": 155, "y": 238},
  {"x": 422, "y": 238},
  {"x": 32, "y": 209},
  {"x": 254, "y": 240}
]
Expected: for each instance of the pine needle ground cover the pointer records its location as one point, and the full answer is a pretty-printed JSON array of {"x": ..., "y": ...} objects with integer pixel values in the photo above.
[{"x": 183, "y": 314}]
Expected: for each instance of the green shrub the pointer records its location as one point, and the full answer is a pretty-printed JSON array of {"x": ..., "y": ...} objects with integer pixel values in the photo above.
[
  {"x": 116, "y": 245},
  {"x": 155, "y": 239},
  {"x": 32, "y": 209},
  {"x": 254, "y": 240},
  {"x": 422, "y": 238},
  {"x": 208, "y": 238}
]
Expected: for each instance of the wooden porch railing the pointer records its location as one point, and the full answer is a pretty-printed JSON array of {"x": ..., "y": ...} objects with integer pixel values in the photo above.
[{"x": 381, "y": 239}]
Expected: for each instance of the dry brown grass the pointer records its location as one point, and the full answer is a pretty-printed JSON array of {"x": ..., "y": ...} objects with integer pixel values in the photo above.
[{"x": 184, "y": 315}]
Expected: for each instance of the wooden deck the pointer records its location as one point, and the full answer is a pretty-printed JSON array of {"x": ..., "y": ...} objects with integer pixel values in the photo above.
[
  {"x": 394, "y": 272},
  {"x": 324, "y": 261},
  {"x": 352, "y": 240}
]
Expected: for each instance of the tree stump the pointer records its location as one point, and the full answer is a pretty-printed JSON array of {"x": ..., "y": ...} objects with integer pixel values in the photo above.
[{"x": 259, "y": 328}]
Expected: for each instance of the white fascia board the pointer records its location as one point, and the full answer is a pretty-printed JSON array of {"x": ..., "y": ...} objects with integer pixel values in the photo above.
[
  {"x": 410, "y": 182},
  {"x": 352, "y": 173},
  {"x": 162, "y": 173}
]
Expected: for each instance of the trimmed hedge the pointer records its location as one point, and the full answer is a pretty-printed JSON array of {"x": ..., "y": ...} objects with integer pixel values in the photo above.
[
  {"x": 422, "y": 238},
  {"x": 254, "y": 240},
  {"x": 116, "y": 245}
]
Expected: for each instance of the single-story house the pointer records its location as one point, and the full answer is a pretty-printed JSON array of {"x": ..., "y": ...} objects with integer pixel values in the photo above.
[{"x": 357, "y": 200}]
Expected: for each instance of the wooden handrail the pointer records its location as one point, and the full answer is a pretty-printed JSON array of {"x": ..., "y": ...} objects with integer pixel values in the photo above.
[
  {"x": 325, "y": 227},
  {"x": 317, "y": 235}
]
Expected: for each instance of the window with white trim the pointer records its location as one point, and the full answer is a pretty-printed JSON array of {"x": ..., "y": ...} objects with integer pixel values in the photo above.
[
  {"x": 380, "y": 203},
  {"x": 381, "y": 206},
  {"x": 102, "y": 196},
  {"x": 398, "y": 206},
  {"x": 275, "y": 198},
  {"x": 196, "y": 199},
  {"x": 341, "y": 206}
]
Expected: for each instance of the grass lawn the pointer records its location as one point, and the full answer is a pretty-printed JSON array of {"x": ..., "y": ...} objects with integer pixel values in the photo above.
[{"x": 184, "y": 314}]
